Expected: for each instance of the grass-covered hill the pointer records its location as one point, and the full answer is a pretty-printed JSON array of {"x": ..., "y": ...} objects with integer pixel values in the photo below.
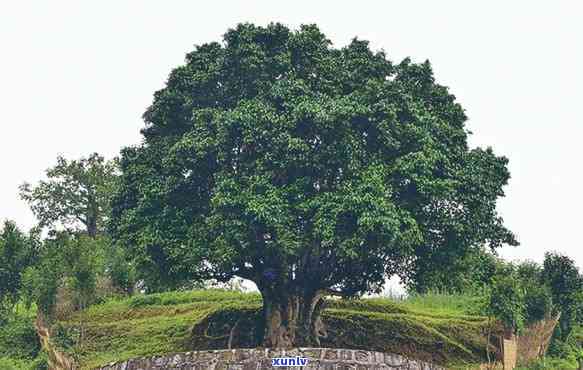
[{"x": 436, "y": 328}]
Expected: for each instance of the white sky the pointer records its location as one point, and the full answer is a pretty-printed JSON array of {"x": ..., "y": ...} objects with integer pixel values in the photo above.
[{"x": 76, "y": 76}]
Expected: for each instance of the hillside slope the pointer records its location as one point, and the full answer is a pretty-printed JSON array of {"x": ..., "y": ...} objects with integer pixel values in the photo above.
[{"x": 185, "y": 321}]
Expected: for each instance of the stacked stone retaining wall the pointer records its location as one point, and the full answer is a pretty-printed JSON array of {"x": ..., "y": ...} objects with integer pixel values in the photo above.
[{"x": 259, "y": 359}]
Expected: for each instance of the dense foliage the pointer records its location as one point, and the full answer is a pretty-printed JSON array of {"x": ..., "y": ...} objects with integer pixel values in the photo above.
[
  {"x": 20, "y": 348},
  {"x": 525, "y": 293},
  {"x": 78, "y": 271},
  {"x": 566, "y": 282},
  {"x": 18, "y": 338},
  {"x": 307, "y": 169},
  {"x": 471, "y": 270},
  {"x": 17, "y": 252}
]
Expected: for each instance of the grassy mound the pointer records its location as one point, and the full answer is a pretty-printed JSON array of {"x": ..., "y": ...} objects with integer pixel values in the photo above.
[{"x": 447, "y": 333}]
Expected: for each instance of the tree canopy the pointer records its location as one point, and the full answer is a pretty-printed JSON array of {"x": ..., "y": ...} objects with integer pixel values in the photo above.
[
  {"x": 76, "y": 193},
  {"x": 308, "y": 169}
]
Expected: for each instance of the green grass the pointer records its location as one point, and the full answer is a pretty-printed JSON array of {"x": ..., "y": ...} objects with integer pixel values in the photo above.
[
  {"x": 432, "y": 328},
  {"x": 446, "y": 303}
]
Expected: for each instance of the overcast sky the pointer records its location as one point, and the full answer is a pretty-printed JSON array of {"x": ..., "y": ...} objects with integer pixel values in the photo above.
[{"x": 76, "y": 76}]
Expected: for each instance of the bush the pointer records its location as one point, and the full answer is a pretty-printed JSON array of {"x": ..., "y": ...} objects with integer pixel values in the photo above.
[
  {"x": 40, "y": 363},
  {"x": 538, "y": 302},
  {"x": 7, "y": 363},
  {"x": 18, "y": 339},
  {"x": 121, "y": 273},
  {"x": 507, "y": 303},
  {"x": 40, "y": 285},
  {"x": 550, "y": 363},
  {"x": 145, "y": 300},
  {"x": 17, "y": 252},
  {"x": 566, "y": 282},
  {"x": 74, "y": 272},
  {"x": 20, "y": 347},
  {"x": 65, "y": 337}
]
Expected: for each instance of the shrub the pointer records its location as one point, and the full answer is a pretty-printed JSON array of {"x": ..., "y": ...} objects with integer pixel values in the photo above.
[
  {"x": 7, "y": 363},
  {"x": 20, "y": 347},
  {"x": 145, "y": 300},
  {"x": 40, "y": 363},
  {"x": 121, "y": 273},
  {"x": 566, "y": 283},
  {"x": 550, "y": 363},
  {"x": 18, "y": 339},
  {"x": 538, "y": 303},
  {"x": 507, "y": 303},
  {"x": 72, "y": 274},
  {"x": 65, "y": 337},
  {"x": 17, "y": 252}
]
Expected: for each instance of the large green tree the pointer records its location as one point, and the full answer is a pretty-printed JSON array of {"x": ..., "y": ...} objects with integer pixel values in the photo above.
[
  {"x": 308, "y": 169},
  {"x": 75, "y": 195}
]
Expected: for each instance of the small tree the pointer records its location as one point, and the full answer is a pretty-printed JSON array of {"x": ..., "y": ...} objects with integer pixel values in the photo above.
[
  {"x": 561, "y": 274},
  {"x": 507, "y": 303},
  {"x": 76, "y": 192},
  {"x": 307, "y": 169},
  {"x": 121, "y": 272},
  {"x": 17, "y": 252},
  {"x": 74, "y": 263}
]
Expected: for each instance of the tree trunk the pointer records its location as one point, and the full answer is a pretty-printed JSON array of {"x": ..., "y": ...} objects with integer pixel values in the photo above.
[
  {"x": 91, "y": 216},
  {"x": 292, "y": 320},
  {"x": 92, "y": 227}
]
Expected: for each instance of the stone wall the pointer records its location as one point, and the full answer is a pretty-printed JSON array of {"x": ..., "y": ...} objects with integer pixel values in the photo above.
[{"x": 258, "y": 359}]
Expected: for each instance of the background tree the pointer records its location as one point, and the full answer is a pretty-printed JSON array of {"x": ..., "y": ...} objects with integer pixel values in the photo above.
[
  {"x": 17, "y": 252},
  {"x": 467, "y": 271},
  {"x": 538, "y": 296},
  {"x": 307, "y": 169},
  {"x": 561, "y": 274},
  {"x": 72, "y": 263},
  {"x": 76, "y": 193}
]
